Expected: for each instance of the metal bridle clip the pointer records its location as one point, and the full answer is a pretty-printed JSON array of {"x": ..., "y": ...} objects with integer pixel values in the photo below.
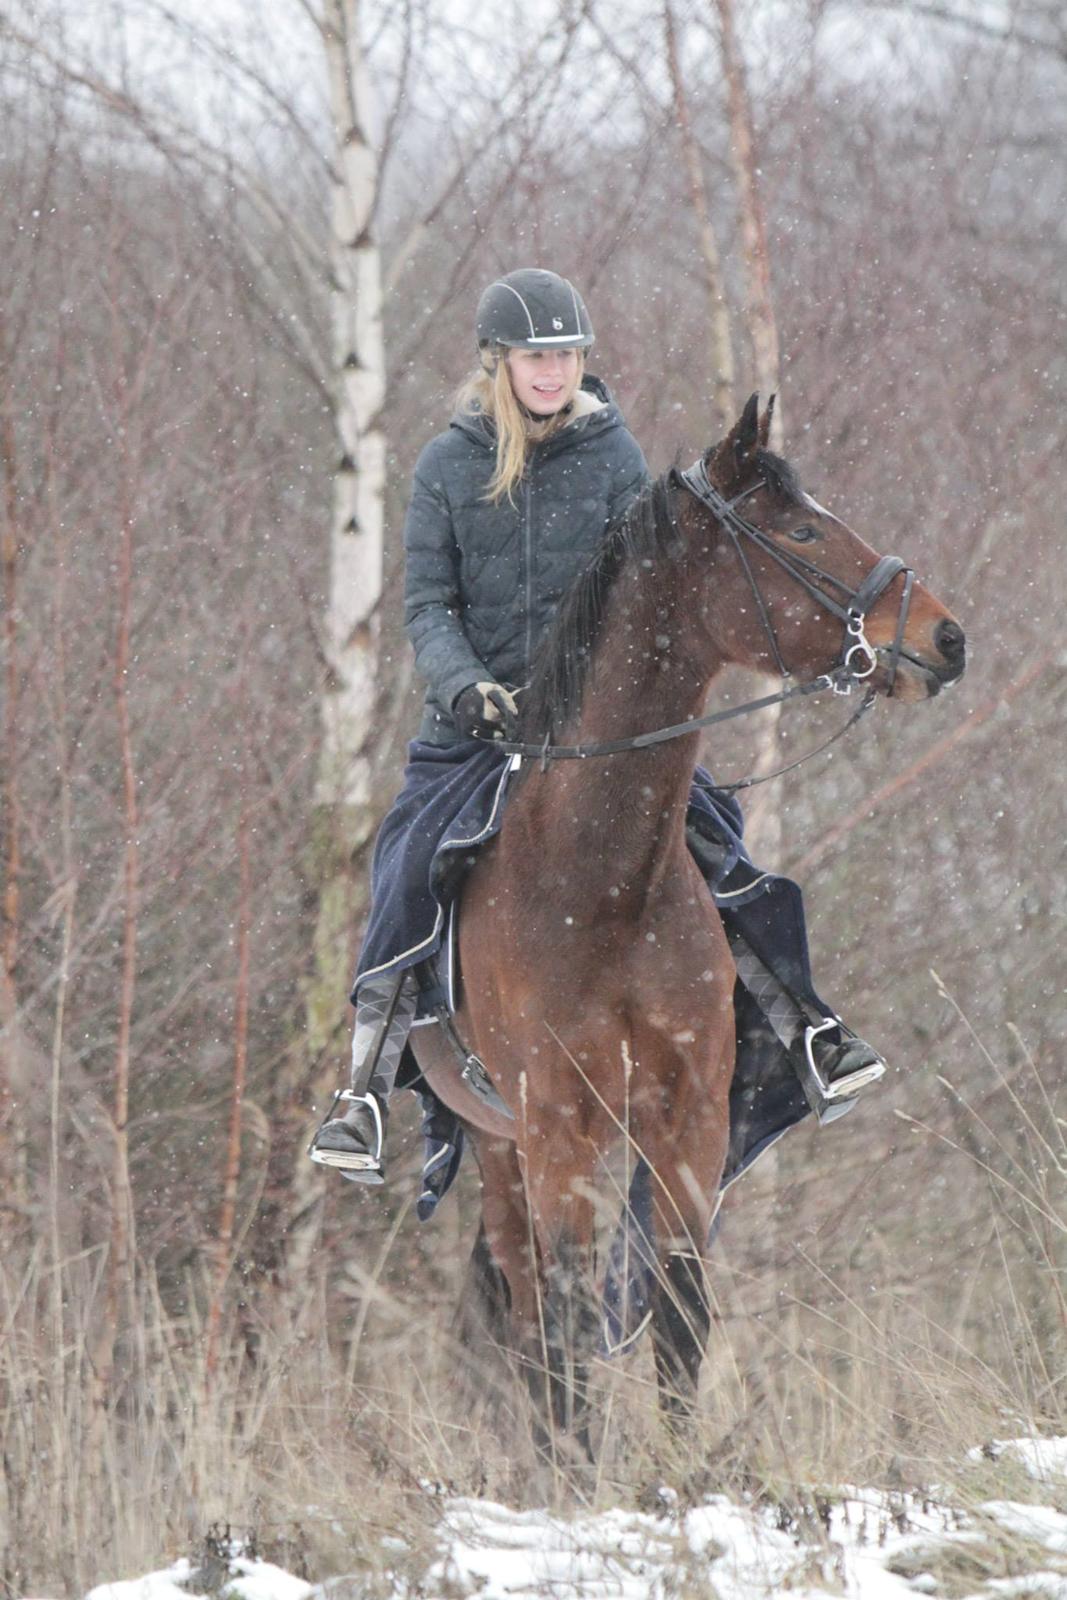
[{"x": 861, "y": 646}]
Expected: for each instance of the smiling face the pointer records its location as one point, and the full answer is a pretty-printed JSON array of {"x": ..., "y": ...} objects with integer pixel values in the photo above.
[{"x": 546, "y": 380}]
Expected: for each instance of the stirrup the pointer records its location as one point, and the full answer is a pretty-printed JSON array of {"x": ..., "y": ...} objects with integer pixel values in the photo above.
[
  {"x": 363, "y": 1166},
  {"x": 832, "y": 1098}
]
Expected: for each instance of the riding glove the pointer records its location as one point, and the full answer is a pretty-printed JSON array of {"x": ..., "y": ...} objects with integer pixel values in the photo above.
[{"x": 486, "y": 711}]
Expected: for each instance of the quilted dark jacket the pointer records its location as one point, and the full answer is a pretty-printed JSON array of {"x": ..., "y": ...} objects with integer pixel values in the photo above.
[{"x": 482, "y": 580}]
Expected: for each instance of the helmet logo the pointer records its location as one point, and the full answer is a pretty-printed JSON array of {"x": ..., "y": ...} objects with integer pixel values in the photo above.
[{"x": 557, "y": 323}]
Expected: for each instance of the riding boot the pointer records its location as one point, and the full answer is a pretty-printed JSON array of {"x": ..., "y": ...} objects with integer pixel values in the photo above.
[
  {"x": 354, "y": 1143},
  {"x": 832, "y": 1063}
]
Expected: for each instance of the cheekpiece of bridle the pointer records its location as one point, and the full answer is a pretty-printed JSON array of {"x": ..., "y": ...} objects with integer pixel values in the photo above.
[
  {"x": 850, "y": 605},
  {"x": 858, "y": 658}
]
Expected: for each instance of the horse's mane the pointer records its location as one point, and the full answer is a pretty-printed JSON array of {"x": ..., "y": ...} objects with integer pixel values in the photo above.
[
  {"x": 561, "y": 665},
  {"x": 780, "y": 477},
  {"x": 645, "y": 532}
]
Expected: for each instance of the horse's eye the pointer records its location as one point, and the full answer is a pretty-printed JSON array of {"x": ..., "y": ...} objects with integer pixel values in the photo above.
[{"x": 804, "y": 535}]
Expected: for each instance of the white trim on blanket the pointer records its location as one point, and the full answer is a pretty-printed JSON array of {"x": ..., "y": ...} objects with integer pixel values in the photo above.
[
  {"x": 731, "y": 894},
  {"x": 446, "y": 844}
]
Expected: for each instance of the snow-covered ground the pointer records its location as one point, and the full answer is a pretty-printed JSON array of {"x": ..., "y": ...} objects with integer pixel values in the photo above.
[{"x": 863, "y": 1543}]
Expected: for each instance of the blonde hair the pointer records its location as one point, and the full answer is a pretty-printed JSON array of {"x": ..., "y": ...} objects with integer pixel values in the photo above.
[{"x": 489, "y": 392}]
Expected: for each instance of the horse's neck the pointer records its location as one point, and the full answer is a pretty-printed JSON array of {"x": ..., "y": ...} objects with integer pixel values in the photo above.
[{"x": 622, "y": 817}]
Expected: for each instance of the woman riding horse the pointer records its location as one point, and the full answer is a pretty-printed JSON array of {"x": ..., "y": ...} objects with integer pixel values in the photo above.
[{"x": 507, "y": 509}]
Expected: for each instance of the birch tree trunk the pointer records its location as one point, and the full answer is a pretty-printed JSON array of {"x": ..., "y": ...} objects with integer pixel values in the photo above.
[
  {"x": 763, "y": 824},
  {"x": 357, "y": 532},
  {"x": 345, "y": 817},
  {"x": 720, "y": 347}
]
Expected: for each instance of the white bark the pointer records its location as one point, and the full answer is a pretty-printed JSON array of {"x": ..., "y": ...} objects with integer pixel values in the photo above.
[
  {"x": 344, "y": 813},
  {"x": 358, "y": 524}
]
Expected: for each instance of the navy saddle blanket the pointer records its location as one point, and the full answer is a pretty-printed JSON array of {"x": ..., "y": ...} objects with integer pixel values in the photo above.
[{"x": 452, "y": 802}]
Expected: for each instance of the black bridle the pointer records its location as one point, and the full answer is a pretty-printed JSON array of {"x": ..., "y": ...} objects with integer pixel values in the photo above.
[{"x": 851, "y": 606}]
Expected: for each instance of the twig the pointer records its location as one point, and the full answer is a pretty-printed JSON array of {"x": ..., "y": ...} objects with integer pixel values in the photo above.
[{"x": 903, "y": 780}]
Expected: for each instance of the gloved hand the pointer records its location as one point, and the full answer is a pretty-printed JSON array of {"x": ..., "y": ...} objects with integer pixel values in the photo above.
[{"x": 486, "y": 711}]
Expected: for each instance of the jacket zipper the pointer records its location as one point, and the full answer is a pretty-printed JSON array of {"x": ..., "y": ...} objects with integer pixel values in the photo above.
[{"x": 528, "y": 545}]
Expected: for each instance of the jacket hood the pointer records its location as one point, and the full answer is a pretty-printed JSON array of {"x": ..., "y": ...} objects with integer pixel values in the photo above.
[{"x": 606, "y": 415}]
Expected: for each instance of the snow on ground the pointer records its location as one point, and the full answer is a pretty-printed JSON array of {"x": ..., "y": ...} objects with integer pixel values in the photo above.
[
  {"x": 168, "y": 1585},
  {"x": 738, "y": 1553},
  {"x": 862, "y": 1543},
  {"x": 1045, "y": 1459},
  {"x": 248, "y": 1580}
]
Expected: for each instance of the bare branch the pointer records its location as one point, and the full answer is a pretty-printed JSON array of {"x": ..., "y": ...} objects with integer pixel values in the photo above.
[{"x": 980, "y": 27}]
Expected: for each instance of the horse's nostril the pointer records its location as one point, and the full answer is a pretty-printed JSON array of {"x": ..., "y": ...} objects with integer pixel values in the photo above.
[{"x": 949, "y": 639}]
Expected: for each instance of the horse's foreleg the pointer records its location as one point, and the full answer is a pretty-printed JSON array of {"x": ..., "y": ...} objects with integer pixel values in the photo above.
[
  {"x": 571, "y": 1330},
  {"x": 482, "y": 1322},
  {"x": 562, "y": 1210},
  {"x": 681, "y": 1320},
  {"x": 503, "y": 1275},
  {"x": 686, "y": 1147},
  {"x": 539, "y": 1278}
]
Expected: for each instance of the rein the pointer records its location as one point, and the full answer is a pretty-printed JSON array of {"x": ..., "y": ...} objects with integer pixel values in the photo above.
[{"x": 852, "y": 609}]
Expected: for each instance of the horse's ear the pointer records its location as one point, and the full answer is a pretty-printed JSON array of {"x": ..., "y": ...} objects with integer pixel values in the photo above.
[
  {"x": 729, "y": 461},
  {"x": 765, "y": 423},
  {"x": 746, "y": 432}
]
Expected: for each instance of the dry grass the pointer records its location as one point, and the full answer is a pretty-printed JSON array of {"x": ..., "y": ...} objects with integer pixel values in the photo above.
[
  {"x": 323, "y": 1465},
  {"x": 332, "y": 1424},
  {"x": 283, "y": 1446}
]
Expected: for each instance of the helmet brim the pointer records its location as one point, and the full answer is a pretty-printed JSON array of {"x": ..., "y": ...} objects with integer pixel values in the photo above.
[{"x": 561, "y": 341}]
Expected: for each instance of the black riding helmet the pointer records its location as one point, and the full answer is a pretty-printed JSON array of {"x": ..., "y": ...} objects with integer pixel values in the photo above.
[{"x": 532, "y": 310}]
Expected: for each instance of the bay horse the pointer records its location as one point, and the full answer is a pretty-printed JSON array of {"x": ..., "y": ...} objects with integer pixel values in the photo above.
[{"x": 597, "y": 978}]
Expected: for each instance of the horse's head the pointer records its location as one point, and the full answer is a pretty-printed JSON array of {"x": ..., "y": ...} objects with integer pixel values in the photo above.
[{"x": 796, "y": 590}]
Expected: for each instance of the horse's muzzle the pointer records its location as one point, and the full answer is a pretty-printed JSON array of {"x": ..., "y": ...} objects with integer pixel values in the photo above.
[
  {"x": 950, "y": 641},
  {"x": 928, "y": 677}
]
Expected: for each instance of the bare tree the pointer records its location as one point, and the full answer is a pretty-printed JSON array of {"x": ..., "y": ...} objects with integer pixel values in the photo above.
[
  {"x": 232, "y": 1166},
  {"x": 1037, "y": 26},
  {"x": 720, "y": 345},
  {"x": 761, "y": 322},
  {"x": 763, "y": 818},
  {"x": 10, "y": 1117}
]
